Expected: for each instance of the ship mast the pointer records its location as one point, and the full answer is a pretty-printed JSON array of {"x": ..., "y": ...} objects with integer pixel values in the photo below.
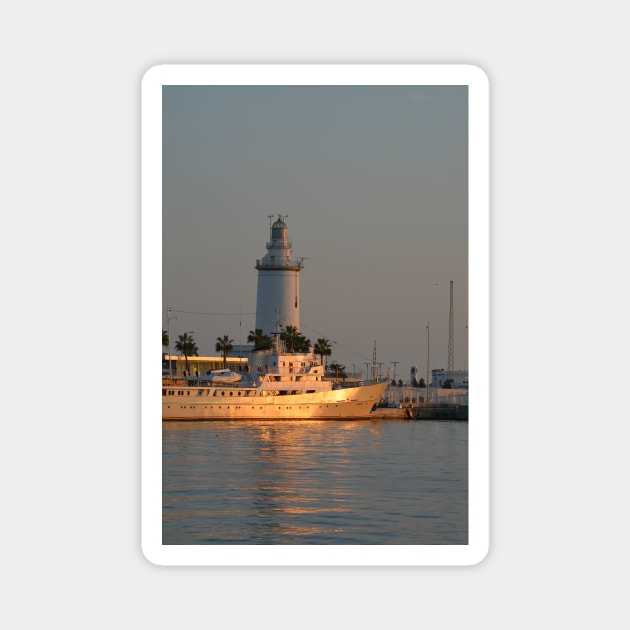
[{"x": 374, "y": 362}]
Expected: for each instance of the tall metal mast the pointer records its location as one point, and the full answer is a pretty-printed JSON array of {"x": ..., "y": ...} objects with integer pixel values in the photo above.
[
  {"x": 428, "y": 339},
  {"x": 451, "y": 340}
]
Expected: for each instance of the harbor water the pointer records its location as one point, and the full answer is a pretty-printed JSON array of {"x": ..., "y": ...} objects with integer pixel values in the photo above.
[{"x": 312, "y": 482}]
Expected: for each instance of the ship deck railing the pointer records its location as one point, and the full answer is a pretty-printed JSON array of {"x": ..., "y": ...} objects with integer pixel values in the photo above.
[{"x": 341, "y": 384}]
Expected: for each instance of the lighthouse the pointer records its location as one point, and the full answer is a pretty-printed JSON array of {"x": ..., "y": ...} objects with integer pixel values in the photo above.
[{"x": 278, "y": 296}]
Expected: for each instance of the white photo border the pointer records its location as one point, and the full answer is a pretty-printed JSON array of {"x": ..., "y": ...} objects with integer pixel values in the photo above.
[{"x": 151, "y": 307}]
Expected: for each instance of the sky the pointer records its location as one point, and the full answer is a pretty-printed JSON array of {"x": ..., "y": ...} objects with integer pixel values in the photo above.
[{"x": 373, "y": 182}]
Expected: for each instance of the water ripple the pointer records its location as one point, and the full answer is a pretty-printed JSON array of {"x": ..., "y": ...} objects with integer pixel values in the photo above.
[{"x": 315, "y": 482}]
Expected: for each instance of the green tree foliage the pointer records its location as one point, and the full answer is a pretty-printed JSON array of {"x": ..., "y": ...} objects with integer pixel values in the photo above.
[
  {"x": 295, "y": 341},
  {"x": 260, "y": 340},
  {"x": 323, "y": 349},
  {"x": 186, "y": 345},
  {"x": 337, "y": 370},
  {"x": 224, "y": 346}
]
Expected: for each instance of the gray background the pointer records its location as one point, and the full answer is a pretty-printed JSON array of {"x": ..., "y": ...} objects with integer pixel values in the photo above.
[{"x": 71, "y": 202}]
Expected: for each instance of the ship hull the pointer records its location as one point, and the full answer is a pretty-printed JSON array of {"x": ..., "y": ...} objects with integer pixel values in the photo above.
[{"x": 209, "y": 403}]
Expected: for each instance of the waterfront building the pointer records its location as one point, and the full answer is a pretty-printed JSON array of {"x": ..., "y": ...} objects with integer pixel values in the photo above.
[
  {"x": 199, "y": 365},
  {"x": 459, "y": 378}
]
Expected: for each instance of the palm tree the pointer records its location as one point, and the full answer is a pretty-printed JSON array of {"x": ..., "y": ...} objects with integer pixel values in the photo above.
[
  {"x": 259, "y": 339},
  {"x": 337, "y": 370},
  {"x": 164, "y": 338},
  {"x": 186, "y": 345},
  {"x": 302, "y": 344},
  {"x": 224, "y": 345},
  {"x": 290, "y": 335},
  {"x": 323, "y": 349},
  {"x": 296, "y": 342}
]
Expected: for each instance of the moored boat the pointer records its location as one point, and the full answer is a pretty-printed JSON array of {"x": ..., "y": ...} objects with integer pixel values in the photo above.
[
  {"x": 277, "y": 385},
  {"x": 222, "y": 377}
]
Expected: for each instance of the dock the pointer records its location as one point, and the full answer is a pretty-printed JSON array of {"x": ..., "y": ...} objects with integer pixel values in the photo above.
[{"x": 423, "y": 411}]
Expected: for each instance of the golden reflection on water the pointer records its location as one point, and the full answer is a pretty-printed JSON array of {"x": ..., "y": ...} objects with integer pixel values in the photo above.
[
  {"x": 284, "y": 446},
  {"x": 281, "y": 480},
  {"x": 284, "y": 449}
]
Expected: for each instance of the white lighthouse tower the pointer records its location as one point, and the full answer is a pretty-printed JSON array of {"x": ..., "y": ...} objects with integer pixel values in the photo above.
[{"x": 278, "y": 297}]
